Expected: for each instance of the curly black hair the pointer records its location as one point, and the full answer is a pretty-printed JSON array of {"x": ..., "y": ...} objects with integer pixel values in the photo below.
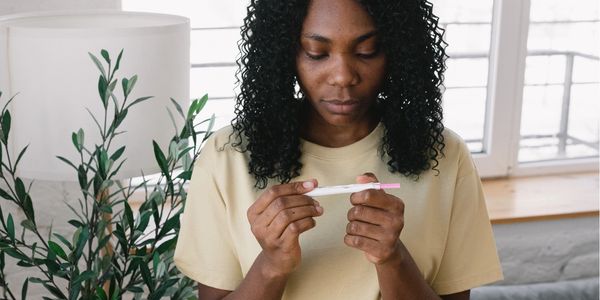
[{"x": 269, "y": 108}]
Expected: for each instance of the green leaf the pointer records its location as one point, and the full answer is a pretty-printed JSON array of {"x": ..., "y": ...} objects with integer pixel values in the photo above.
[
  {"x": 63, "y": 240},
  {"x": 57, "y": 250},
  {"x": 128, "y": 216},
  {"x": 5, "y": 126},
  {"x": 159, "y": 266},
  {"x": 82, "y": 177},
  {"x": 186, "y": 175},
  {"x": 10, "y": 227},
  {"x": 124, "y": 83},
  {"x": 36, "y": 280},
  {"x": 197, "y": 106},
  {"x": 100, "y": 294},
  {"x": 102, "y": 86},
  {"x": 112, "y": 86},
  {"x": 131, "y": 83},
  {"x": 98, "y": 64},
  {"x": 104, "y": 54},
  {"x": 5, "y": 195},
  {"x": 170, "y": 224},
  {"x": 20, "y": 189},
  {"x": 28, "y": 208},
  {"x": 120, "y": 117},
  {"x": 166, "y": 246},
  {"x": 147, "y": 277},
  {"x": 160, "y": 158},
  {"x": 138, "y": 100},
  {"x": 68, "y": 162},
  {"x": 117, "y": 154},
  {"x": 81, "y": 240},
  {"x": 28, "y": 224},
  {"x": 118, "y": 61},
  {"x": 173, "y": 150},
  {"x": 24, "y": 289},
  {"x": 75, "y": 142},
  {"x": 87, "y": 275},
  {"x": 80, "y": 137},
  {"x": 75, "y": 223},
  {"x": 55, "y": 291},
  {"x": 13, "y": 253},
  {"x": 20, "y": 156},
  {"x": 178, "y": 107},
  {"x": 144, "y": 220}
]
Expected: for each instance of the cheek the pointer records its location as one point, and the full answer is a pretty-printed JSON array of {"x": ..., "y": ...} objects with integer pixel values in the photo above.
[{"x": 308, "y": 76}]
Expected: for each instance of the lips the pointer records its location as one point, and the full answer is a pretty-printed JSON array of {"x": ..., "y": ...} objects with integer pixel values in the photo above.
[{"x": 341, "y": 107}]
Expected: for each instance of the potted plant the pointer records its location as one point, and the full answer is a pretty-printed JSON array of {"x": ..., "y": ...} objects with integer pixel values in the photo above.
[{"x": 114, "y": 250}]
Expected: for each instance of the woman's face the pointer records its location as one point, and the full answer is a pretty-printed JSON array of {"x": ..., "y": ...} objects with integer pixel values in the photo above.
[{"x": 339, "y": 64}]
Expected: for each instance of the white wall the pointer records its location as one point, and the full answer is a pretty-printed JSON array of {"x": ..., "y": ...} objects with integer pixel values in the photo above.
[{"x": 19, "y": 6}]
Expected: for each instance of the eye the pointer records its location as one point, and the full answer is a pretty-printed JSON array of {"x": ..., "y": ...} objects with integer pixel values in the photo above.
[
  {"x": 367, "y": 55},
  {"x": 315, "y": 56}
]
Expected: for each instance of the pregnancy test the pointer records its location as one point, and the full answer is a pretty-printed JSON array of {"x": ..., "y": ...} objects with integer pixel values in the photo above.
[{"x": 350, "y": 188}]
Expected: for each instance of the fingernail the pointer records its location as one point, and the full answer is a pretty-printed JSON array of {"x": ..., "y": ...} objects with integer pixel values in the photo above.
[
  {"x": 308, "y": 184},
  {"x": 319, "y": 209}
]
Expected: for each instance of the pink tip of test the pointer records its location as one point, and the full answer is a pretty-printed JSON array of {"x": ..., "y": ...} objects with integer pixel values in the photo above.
[{"x": 389, "y": 185}]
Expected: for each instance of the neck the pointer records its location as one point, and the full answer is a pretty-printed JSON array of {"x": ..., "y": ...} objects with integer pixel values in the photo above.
[{"x": 316, "y": 130}]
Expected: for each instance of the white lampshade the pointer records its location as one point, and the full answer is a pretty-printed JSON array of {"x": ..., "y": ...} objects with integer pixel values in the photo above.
[{"x": 44, "y": 58}]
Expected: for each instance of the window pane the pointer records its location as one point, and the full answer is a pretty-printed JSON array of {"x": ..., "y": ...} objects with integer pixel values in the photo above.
[
  {"x": 216, "y": 82},
  {"x": 214, "y": 45},
  {"x": 468, "y": 34},
  {"x": 221, "y": 108},
  {"x": 560, "y": 98}
]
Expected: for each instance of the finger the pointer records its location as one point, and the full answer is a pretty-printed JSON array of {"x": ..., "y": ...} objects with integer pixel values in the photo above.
[
  {"x": 370, "y": 215},
  {"x": 281, "y": 203},
  {"x": 294, "y": 229},
  {"x": 377, "y": 199},
  {"x": 276, "y": 191},
  {"x": 382, "y": 234},
  {"x": 362, "y": 243},
  {"x": 290, "y": 215},
  {"x": 366, "y": 178}
]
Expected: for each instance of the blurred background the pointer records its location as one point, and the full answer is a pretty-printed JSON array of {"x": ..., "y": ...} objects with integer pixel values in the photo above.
[{"x": 530, "y": 96}]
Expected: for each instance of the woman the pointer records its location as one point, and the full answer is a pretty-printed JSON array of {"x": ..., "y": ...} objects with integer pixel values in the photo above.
[{"x": 330, "y": 90}]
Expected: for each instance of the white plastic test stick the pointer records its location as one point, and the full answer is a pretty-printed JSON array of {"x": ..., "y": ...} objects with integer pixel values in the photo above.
[{"x": 350, "y": 188}]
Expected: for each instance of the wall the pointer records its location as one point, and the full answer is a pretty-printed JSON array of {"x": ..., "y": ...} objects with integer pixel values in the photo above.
[{"x": 20, "y": 6}]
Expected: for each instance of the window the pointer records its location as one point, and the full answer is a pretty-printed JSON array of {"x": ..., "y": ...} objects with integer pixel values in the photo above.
[
  {"x": 525, "y": 72},
  {"x": 559, "y": 118}
]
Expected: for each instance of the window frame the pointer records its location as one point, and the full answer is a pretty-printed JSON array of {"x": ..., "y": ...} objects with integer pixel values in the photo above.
[{"x": 504, "y": 98}]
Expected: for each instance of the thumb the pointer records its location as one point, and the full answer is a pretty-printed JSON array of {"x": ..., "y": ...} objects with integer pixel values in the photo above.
[{"x": 366, "y": 178}]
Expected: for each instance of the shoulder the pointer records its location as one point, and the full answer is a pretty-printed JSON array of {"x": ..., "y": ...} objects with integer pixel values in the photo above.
[
  {"x": 221, "y": 147},
  {"x": 456, "y": 154}
]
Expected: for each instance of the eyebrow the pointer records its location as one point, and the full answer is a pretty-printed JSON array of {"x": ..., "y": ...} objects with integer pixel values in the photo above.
[{"x": 320, "y": 38}]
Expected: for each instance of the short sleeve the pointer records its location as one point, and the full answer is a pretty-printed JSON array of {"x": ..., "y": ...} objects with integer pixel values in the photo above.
[
  {"x": 470, "y": 257},
  {"x": 204, "y": 250}
]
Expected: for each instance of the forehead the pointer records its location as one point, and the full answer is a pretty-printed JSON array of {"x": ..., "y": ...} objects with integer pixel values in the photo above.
[{"x": 337, "y": 18}]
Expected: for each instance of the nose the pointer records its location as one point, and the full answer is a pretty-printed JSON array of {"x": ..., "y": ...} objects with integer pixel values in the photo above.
[{"x": 343, "y": 73}]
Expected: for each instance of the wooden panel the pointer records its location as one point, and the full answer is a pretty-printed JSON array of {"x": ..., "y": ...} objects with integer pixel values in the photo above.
[{"x": 542, "y": 197}]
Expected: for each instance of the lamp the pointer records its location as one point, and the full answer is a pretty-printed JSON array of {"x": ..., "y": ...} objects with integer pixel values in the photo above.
[{"x": 44, "y": 57}]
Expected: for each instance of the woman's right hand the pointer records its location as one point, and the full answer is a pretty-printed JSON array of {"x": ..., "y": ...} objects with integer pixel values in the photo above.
[{"x": 277, "y": 218}]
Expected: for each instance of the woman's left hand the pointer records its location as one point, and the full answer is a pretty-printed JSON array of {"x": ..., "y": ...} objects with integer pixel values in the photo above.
[{"x": 375, "y": 223}]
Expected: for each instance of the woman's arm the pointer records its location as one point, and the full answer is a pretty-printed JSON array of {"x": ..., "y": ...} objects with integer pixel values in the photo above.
[
  {"x": 277, "y": 218},
  {"x": 400, "y": 278},
  {"x": 375, "y": 224},
  {"x": 259, "y": 283}
]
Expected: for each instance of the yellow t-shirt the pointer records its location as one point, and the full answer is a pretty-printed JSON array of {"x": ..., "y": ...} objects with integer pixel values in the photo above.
[{"x": 447, "y": 228}]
